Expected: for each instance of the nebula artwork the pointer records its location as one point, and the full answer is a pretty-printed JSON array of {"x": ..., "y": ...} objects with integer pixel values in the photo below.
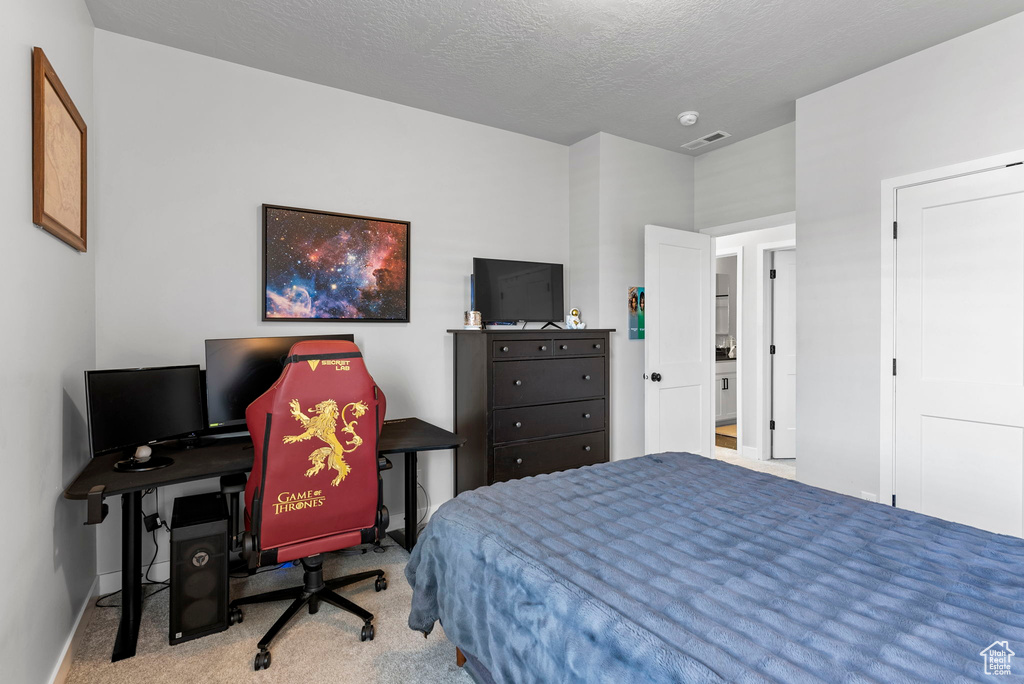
[{"x": 319, "y": 266}]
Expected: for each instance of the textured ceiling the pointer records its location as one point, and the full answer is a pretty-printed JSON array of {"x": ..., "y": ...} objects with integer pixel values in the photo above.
[{"x": 565, "y": 69}]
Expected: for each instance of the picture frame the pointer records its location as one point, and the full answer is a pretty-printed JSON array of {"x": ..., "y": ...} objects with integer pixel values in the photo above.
[
  {"x": 59, "y": 157},
  {"x": 322, "y": 266}
]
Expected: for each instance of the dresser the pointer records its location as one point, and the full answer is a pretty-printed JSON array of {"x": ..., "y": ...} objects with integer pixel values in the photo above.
[{"x": 529, "y": 402}]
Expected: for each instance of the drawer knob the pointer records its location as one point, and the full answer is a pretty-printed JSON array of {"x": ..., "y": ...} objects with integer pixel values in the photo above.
[
  {"x": 504, "y": 349},
  {"x": 586, "y": 415},
  {"x": 518, "y": 383},
  {"x": 518, "y": 424},
  {"x": 586, "y": 448},
  {"x": 563, "y": 346},
  {"x": 543, "y": 347},
  {"x": 586, "y": 377},
  {"x": 519, "y": 461},
  {"x": 597, "y": 346}
]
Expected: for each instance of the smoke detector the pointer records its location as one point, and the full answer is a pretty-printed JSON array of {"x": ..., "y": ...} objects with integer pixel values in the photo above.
[
  {"x": 688, "y": 118},
  {"x": 706, "y": 140}
]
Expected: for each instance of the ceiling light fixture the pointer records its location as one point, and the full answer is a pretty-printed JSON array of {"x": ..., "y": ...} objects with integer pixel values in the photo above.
[{"x": 688, "y": 118}]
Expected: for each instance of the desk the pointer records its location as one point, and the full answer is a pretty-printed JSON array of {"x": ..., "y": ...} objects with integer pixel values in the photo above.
[
  {"x": 221, "y": 457},
  {"x": 409, "y": 436}
]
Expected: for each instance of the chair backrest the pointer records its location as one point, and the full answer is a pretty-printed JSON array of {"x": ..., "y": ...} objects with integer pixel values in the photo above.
[{"x": 314, "y": 478}]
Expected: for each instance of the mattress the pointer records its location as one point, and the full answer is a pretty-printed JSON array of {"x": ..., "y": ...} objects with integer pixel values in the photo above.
[{"x": 677, "y": 568}]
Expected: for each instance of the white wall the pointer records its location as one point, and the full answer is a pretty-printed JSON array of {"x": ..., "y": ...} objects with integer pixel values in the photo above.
[
  {"x": 48, "y": 343},
  {"x": 639, "y": 185},
  {"x": 961, "y": 100},
  {"x": 749, "y": 179},
  {"x": 748, "y": 358},
  {"x": 584, "y": 227},
  {"x": 190, "y": 146}
]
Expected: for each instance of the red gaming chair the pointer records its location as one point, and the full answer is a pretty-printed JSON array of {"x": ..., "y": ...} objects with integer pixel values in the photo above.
[{"x": 315, "y": 484}]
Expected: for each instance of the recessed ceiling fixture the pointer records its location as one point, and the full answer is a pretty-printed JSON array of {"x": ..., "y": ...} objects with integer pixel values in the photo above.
[
  {"x": 706, "y": 140},
  {"x": 688, "y": 118}
]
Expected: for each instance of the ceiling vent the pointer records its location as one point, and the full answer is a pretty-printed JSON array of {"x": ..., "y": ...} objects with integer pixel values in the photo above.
[{"x": 706, "y": 140}]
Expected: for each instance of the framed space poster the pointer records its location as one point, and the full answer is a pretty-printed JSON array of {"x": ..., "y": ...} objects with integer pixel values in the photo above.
[
  {"x": 636, "y": 313},
  {"x": 322, "y": 266}
]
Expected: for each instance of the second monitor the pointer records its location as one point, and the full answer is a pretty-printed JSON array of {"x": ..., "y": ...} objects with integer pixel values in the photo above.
[{"x": 240, "y": 370}]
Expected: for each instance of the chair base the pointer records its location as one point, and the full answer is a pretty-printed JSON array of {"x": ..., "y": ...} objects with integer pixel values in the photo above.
[{"x": 313, "y": 591}]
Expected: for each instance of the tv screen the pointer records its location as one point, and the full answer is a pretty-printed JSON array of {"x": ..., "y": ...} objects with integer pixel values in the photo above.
[
  {"x": 239, "y": 370},
  {"x": 517, "y": 290},
  {"x": 133, "y": 406}
]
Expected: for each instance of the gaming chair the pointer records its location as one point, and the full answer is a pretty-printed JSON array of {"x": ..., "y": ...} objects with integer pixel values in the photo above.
[{"x": 315, "y": 484}]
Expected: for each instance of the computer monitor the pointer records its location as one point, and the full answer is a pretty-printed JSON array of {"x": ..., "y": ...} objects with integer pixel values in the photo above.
[
  {"x": 131, "y": 407},
  {"x": 239, "y": 370}
]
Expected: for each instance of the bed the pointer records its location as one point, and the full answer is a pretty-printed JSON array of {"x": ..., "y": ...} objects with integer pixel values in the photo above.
[{"x": 677, "y": 568}]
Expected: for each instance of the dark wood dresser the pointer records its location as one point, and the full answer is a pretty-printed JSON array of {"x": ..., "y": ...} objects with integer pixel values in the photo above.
[{"x": 529, "y": 402}]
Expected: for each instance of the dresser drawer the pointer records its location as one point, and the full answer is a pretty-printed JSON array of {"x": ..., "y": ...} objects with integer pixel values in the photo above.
[
  {"x": 518, "y": 349},
  {"x": 578, "y": 347},
  {"x": 548, "y": 455},
  {"x": 538, "y": 382},
  {"x": 531, "y": 422}
]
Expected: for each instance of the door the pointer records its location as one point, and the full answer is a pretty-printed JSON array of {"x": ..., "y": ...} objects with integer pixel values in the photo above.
[
  {"x": 679, "y": 404},
  {"x": 959, "y": 366},
  {"x": 782, "y": 354}
]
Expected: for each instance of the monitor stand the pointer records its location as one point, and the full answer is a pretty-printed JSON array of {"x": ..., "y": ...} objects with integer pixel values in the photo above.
[
  {"x": 142, "y": 461},
  {"x": 551, "y": 324}
]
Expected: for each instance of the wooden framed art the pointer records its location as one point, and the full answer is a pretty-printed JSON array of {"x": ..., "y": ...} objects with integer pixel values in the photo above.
[
  {"x": 59, "y": 168},
  {"x": 322, "y": 266}
]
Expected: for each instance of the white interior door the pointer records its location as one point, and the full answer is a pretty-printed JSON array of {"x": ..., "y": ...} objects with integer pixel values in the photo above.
[
  {"x": 783, "y": 360},
  {"x": 679, "y": 406},
  {"x": 959, "y": 398}
]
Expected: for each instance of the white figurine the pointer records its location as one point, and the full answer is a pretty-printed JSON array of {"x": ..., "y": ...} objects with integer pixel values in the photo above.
[{"x": 573, "y": 322}]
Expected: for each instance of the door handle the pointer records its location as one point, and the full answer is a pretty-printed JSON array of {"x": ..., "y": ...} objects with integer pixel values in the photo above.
[
  {"x": 725, "y": 383},
  {"x": 656, "y": 377}
]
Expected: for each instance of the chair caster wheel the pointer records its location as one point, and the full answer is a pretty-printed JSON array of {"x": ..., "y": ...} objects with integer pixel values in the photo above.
[
  {"x": 262, "y": 661},
  {"x": 235, "y": 616},
  {"x": 367, "y": 633},
  {"x": 380, "y": 584}
]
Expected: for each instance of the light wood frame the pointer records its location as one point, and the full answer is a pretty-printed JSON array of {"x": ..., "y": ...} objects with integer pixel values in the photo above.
[{"x": 45, "y": 139}]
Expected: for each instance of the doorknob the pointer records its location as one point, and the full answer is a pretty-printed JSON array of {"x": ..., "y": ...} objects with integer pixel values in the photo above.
[{"x": 656, "y": 377}]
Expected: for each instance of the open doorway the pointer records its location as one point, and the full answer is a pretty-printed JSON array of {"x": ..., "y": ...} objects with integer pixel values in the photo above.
[{"x": 727, "y": 320}]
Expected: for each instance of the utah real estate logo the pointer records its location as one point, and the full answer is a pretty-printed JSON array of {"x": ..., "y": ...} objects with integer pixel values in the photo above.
[{"x": 997, "y": 658}]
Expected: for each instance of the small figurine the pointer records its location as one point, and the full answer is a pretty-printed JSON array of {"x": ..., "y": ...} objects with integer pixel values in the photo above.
[{"x": 573, "y": 322}]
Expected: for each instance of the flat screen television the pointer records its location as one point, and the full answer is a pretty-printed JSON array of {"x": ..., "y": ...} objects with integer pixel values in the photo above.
[
  {"x": 239, "y": 370},
  {"x": 131, "y": 407},
  {"x": 517, "y": 290}
]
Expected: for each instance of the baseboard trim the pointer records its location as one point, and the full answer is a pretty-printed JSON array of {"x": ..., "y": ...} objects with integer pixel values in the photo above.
[
  {"x": 751, "y": 452},
  {"x": 63, "y": 667}
]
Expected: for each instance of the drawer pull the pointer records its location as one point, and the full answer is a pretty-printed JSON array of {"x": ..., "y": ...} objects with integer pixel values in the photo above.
[
  {"x": 519, "y": 461},
  {"x": 563, "y": 346},
  {"x": 597, "y": 346},
  {"x": 586, "y": 448},
  {"x": 518, "y": 383},
  {"x": 586, "y": 377},
  {"x": 518, "y": 424},
  {"x": 504, "y": 349},
  {"x": 587, "y": 416},
  {"x": 543, "y": 347}
]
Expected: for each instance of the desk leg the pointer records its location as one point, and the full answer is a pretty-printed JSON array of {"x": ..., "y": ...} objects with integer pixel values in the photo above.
[
  {"x": 407, "y": 538},
  {"x": 131, "y": 576}
]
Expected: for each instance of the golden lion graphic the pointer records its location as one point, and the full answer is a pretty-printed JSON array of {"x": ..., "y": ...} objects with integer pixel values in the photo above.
[{"x": 322, "y": 426}]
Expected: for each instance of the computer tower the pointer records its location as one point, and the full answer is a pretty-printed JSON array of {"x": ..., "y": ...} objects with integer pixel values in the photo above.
[{"x": 199, "y": 567}]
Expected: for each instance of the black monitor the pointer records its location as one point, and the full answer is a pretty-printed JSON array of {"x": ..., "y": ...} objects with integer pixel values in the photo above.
[
  {"x": 517, "y": 290},
  {"x": 239, "y": 370},
  {"x": 131, "y": 407}
]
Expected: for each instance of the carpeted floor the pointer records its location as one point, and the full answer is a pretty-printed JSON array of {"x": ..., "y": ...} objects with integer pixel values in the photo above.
[
  {"x": 783, "y": 468},
  {"x": 314, "y": 648}
]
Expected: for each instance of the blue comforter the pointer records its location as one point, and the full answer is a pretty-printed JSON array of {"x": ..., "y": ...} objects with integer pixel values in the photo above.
[{"x": 677, "y": 568}]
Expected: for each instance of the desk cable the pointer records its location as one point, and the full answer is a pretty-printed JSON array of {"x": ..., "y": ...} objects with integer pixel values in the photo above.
[{"x": 156, "y": 549}]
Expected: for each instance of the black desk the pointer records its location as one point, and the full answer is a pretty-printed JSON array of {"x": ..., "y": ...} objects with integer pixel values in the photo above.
[
  {"x": 220, "y": 457},
  {"x": 409, "y": 436}
]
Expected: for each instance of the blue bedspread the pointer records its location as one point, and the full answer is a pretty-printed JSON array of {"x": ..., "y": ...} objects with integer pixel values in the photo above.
[{"x": 677, "y": 568}]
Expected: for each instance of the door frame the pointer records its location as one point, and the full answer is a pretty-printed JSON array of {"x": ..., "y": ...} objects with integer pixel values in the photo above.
[
  {"x": 765, "y": 315},
  {"x": 887, "y": 308},
  {"x": 738, "y": 253}
]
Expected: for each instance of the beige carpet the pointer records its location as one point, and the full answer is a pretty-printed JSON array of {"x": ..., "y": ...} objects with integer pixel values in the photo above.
[
  {"x": 314, "y": 648},
  {"x": 782, "y": 468}
]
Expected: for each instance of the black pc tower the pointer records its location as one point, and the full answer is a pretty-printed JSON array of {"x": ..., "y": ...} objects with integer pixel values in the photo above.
[{"x": 199, "y": 567}]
